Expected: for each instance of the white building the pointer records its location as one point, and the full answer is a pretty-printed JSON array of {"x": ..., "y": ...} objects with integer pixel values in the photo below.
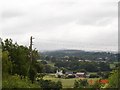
[{"x": 59, "y": 73}]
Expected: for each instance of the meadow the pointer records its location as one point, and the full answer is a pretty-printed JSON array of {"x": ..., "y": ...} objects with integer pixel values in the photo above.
[{"x": 67, "y": 83}]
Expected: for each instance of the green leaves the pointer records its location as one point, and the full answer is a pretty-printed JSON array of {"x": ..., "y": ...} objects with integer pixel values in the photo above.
[
  {"x": 6, "y": 63},
  {"x": 50, "y": 85},
  {"x": 81, "y": 83},
  {"x": 17, "y": 81},
  {"x": 114, "y": 80},
  {"x": 16, "y": 59}
]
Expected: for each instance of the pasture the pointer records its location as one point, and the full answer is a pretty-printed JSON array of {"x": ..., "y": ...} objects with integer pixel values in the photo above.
[{"x": 67, "y": 83}]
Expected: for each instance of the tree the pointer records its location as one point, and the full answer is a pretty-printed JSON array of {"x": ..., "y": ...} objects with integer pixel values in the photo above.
[
  {"x": 6, "y": 64},
  {"x": 16, "y": 61},
  {"x": 50, "y": 85},
  {"x": 38, "y": 66},
  {"x": 32, "y": 74},
  {"x": 48, "y": 69},
  {"x": 19, "y": 56},
  {"x": 114, "y": 80},
  {"x": 96, "y": 85},
  {"x": 104, "y": 66},
  {"x": 15, "y": 82},
  {"x": 94, "y": 76},
  {"x": 76, "y": 84},
  {"x": 81, "y": 83}
]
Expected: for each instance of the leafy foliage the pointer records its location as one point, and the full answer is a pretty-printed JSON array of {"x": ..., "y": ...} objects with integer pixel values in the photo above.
[
  {"x": 50, "y": 85},
  {"x": 114, "y": 79},
  {"x": 16, "y": 60},
  {"x": 78, "y": 55},
  {"x": 20, "y": 72},
  {"x": 81, "y": 83},
  {"x": 15, "y": 81},
  {"x": 6, "y": 63},
  {"x": 96, "y": 85}
]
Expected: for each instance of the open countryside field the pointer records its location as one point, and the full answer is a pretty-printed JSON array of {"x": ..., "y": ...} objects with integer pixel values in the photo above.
[{"x": 67, "y": 83}]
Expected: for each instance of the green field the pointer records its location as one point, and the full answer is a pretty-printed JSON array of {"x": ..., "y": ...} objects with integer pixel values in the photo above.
[
  {"x": 67, "y": 83},
  {"x": 112, "y": 65},
  {"x": 51, "y": 63}
]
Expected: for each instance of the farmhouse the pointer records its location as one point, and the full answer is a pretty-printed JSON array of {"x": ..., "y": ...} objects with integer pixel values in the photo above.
[
  {"x": 79, "y": 74},
  {"x": 70, "y": 74},
  {"x": 59, "y": 73}
]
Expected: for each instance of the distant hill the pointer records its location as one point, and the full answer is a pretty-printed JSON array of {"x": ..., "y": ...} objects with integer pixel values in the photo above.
[{"x": 81, "y": 54}]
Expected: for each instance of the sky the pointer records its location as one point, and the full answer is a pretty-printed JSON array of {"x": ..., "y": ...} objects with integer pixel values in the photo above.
[{"x": 61, "y": 24}]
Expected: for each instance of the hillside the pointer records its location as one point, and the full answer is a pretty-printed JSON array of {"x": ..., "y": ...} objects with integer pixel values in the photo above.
[{"x": 85, "y": 55}]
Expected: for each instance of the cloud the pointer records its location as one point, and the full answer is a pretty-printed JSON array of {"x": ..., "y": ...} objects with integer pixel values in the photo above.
[
  {"x": 10, "y": 14},
  {"x": 81, "y": 22}
]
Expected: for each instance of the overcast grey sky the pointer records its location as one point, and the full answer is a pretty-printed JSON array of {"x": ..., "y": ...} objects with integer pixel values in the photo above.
[{"x": 61, "y": 24}]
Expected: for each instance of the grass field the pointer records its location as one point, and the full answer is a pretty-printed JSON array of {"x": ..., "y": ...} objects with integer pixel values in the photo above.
[
  {"x": 51, "y": 63},
  {"x": 67, "y": 83}
]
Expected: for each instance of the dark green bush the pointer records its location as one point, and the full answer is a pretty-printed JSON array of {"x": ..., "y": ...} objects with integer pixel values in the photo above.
[
  {"x": 93, "y": 76},
  {"x": 17, "y": 81},
  {"x": 81, "y": 83},
  {"x": 50, "y": 85}
]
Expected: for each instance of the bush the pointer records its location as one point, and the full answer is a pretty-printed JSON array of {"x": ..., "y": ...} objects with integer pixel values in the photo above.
[
  {"x": 93, "y": 76},
  {"x": 18, "y": 82},
  {"x": 103, "y": 75},
  {"x": 81, "y": 83},
  {"x": 114, "y": 80},
  {"x": 96, "y": 85},
  {"x": 50, "y": 85}
]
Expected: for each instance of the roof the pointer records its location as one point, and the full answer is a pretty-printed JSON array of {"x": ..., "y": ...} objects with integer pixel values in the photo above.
[
  {"x": 69, "y": 73},
  {"x": 80, "y": 73}
]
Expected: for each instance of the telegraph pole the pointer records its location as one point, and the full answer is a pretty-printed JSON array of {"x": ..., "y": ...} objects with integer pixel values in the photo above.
[
  {"x": 30, "y": 52},
  {"x": 31, "y": 43}
]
